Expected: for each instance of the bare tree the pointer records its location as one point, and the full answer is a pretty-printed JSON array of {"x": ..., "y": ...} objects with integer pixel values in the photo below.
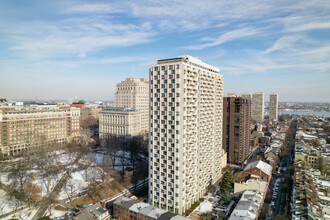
[
  {"x": 18, "y": 171},
  {"x": 134, "y": 150},
  {"x": 89, "y": 122},
  {"x": 70, "y": 186},
  {"x": 52, "y": 201},
  {"x": 123, "y": 163},
  {"x": 72, "y": 153},
  {"x": 3, "y": 202},
  {"x": 92, "y": 190},
  {"x": 16, "y": 204},
  {"x": 140, "y": 173},
  {"x": 85, "y": 137},
  {"x": 112, "y": 145},
  {"x": 15, "y": 197},
  {"x": 46, "y": 166},
  {"x": 128, "y": 178},
  {"x": 88, "y": 159},
  {"x": 106, "y": 163}
]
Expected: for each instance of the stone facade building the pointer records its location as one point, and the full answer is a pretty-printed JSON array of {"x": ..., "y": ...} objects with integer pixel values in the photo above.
[
  {"x": 131, "y": 115},
  {"x": 258, "y": 107},
  {"x": 134, "y": 94},
  {"x": 120, "y": 122},
  {"x": 273, "y": 106}
]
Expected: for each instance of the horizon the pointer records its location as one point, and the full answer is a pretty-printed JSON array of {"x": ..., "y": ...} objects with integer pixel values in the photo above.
[
  {"x": 104, "y": 100},
  {"x": 63, "y": 49}
]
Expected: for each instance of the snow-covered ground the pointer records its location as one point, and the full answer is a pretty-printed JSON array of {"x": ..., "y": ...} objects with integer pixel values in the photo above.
[
  {"x": 78, "y": 182},
  {"x": 55, "y": 214},
  {"x": 92, "y": 157},
  {"x": 205, "y": 206},
  {"x": 42, "y": 182},
  {"x": 25, "y": 214},
  {"x": 66, "y": 158},
  {"x": 7, "y": 204},
  {"x": 4, "y": 179},
  {"x": 98, "y": 158}
]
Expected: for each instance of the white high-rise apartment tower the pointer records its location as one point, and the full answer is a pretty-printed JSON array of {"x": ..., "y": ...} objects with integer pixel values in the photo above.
[
  {"x": 257, "y": 106},
  {"x": 134, "y": 93},
  {"x": 273, "y": 106},
  {"x": 186, "y": 154}
]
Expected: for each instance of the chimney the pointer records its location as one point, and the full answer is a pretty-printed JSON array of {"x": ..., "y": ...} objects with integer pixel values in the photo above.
[
  {"x": 94, "y": 201},
  {"x": 103, "y": 203}
]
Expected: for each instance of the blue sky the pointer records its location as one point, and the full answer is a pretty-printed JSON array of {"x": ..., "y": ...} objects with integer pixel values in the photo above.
[{"x": 62, "y": 49}]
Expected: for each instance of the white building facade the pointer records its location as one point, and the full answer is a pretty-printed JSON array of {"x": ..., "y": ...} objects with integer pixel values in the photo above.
[
  {"x": 273, "y": 106},
  {"x": 134, "y": 93},
  {"x": 258, "y": 106},
  {"x": 185, "y": 133},
  {"x": 119, "y": 122}
]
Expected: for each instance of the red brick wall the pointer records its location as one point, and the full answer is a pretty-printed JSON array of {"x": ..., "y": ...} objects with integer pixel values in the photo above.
[{"x": 256, "y": 171}]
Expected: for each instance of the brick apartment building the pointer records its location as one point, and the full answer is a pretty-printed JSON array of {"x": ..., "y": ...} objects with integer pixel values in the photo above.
[
  {"x": 24, "y": 127},
  {"x": 236, "y": 128}
]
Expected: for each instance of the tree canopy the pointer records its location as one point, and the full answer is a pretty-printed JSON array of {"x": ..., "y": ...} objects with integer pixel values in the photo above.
[{"x": 227, "y": 183}]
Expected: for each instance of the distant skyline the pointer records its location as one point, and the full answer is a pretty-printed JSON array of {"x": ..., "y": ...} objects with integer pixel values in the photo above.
[{"x": 63, "y": 49}]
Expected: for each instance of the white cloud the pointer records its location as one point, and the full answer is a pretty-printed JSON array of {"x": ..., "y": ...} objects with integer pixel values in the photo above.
[
  {"x": 92, "y": 8},
  {"x": 77, "y": 37},
  {"x": 124, "y": 59},
  {"x": 310, "y": 26},
  {"x": 182, "y": 15},
  {"x": 321, "y": 51},
  {"x": 282, "y": 43},
  {"x": 226, "y": 37}
]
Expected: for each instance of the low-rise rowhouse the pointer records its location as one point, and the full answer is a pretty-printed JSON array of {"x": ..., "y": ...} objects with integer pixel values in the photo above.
[
  {"x": 127, "y": 208},
  {"x": 249, "y": 206},
  {"x": 310, "y": 194},
  {"x": 96, "y": 211},
  {"x": 251, "y": 184},
  {"x": 254, "y": 139},
  {"x": 258, "y": 175}
]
